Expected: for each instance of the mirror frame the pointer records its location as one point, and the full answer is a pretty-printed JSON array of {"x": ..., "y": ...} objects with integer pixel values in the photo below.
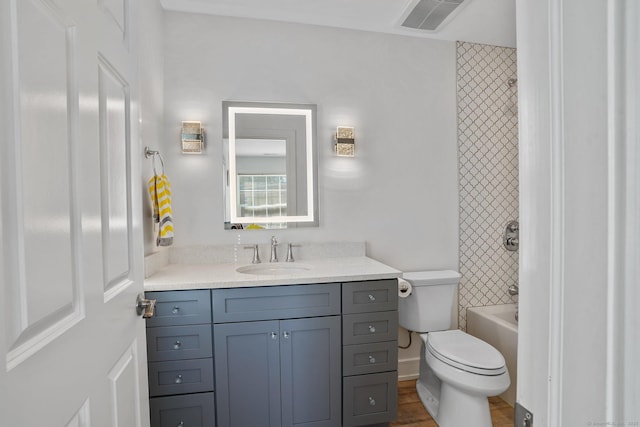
[{"x": 230, "y": 109}]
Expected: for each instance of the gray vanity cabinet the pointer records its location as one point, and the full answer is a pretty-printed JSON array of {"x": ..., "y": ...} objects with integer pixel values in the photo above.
[
  {"x": 370, "y": 352},
  {"x": 279, "y": 371},
  {"x": 318, "y": 355},
  {"x": 179, "y": 351}
]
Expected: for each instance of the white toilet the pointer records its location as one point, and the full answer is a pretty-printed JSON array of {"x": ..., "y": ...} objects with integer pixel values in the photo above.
[{"x": 457, "y": 371}]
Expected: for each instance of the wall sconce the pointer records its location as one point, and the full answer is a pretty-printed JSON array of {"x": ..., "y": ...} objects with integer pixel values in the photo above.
[
  {"x": 192, "y": 138},
  {"x": 345, "y": 141}
]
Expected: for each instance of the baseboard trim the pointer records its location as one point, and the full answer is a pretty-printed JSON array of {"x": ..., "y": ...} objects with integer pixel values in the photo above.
[{"x": 408, "y": 369}]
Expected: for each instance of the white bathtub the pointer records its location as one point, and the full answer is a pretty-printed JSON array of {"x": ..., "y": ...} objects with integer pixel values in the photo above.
[{"x": 497, "y": 325}]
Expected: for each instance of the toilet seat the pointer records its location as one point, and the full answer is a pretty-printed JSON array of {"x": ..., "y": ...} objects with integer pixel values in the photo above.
[{"x": 465, "y": 352}]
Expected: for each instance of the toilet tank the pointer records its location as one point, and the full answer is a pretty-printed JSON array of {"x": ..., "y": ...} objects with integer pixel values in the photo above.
[{"x": 432, "y": 304}]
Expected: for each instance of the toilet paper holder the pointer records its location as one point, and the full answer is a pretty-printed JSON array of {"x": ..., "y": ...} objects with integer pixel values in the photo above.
[{"x": 404, "y": 288}]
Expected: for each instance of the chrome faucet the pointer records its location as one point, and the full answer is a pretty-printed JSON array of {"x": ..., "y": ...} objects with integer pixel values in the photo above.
[
  {"x": 274, "y": 253},
  {"x": 513, "y": 291},
  {"x": 256, "y": 254},
  {"x": 290, "y": 253}
]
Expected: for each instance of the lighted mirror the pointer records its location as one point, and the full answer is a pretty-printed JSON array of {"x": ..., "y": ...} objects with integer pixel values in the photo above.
[{"x": 270, "y": 165}]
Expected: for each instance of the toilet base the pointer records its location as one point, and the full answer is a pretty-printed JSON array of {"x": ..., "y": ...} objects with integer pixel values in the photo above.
[
  {"x": 458, "y": 409},
  {"x": 455, "y": 408},
  {"x": 429, "y": 401}
]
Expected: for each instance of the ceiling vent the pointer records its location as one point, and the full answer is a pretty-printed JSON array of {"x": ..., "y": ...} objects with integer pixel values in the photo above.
[{"x": 429, "y": 14}]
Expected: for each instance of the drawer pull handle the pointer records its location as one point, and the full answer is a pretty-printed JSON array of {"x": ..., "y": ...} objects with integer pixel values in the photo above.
[
  {"x": 371, "y": 298},
  {"x": 372, "y": 401},
  {"x": 372, "y": 359},
  {"x": 372, "y": 329},
  {"x": 179, "y": 379},
  {"x": 176, "y": 309},
  {"x": 274, "y": 336},
  {"x": 285, "y": 334},
  {"x": 177, "y": 345}
]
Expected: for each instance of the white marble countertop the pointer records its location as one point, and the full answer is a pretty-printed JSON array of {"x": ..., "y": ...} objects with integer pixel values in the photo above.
[{"x": 224, "y": 275}]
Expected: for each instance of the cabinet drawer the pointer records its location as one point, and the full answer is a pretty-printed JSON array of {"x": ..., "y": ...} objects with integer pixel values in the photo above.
[
  {"x": 370, "y": 358},
  {"x": 370, "y": 399},
  {"x": 178, "y": 342},
  {"x": 180, "y": 308},
  {"x": 370, "y": 327},
  {"x": 368, "y": 296},
  {"x": 180, "y": 377},
  {"x": 275, "y": 302},
  {"x": 189, "y": 410}
]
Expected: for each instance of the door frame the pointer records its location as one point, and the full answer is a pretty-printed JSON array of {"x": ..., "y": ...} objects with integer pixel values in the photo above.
[{"x": 546, "y": 36}]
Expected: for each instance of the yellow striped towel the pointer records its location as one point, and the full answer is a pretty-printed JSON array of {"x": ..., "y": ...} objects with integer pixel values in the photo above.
[{"x": 160, "y": 192}]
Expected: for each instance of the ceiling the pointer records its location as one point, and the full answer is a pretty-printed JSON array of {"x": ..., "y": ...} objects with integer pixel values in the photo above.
[{"x": 478, "y": 21}]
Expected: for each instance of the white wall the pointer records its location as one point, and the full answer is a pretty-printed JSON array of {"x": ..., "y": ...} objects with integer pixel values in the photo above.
[
  {"x": 151, "y": 70},
  {"x": 399, "y": 194}
]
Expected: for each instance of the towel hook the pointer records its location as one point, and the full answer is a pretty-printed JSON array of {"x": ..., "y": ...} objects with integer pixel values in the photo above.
[{"x": 153, "y": 153}]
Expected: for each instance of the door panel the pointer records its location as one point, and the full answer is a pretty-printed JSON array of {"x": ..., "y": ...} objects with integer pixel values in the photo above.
[
  {"x": 116, "y": 10},
  {"x": 45, "y": 223},
  {"x": 72, "y": 348},
  {"x": 80, "y": 418},
  {"x": 114, "y": 116},
  {"x": 125, "y": 389}
]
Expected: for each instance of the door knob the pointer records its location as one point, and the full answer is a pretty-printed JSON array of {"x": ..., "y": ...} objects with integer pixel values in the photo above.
[{"x": 145, "y": 307}]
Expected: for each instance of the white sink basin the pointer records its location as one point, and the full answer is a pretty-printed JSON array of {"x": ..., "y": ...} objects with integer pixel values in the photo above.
[{"x": 274, "y": 268}]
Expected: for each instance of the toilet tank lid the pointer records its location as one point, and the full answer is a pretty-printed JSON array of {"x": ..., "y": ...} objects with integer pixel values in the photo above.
[{"x": 435, "y": 277}]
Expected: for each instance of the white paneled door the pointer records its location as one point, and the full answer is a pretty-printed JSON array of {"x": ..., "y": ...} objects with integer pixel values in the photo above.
[{"x": 72, "y": 349}]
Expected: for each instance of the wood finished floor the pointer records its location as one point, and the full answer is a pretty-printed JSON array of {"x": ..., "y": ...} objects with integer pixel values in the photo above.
[{"x": 411, "y": 413}]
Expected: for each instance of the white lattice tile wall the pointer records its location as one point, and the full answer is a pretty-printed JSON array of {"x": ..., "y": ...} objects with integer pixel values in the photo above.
[{"x": 488, "y": 173}]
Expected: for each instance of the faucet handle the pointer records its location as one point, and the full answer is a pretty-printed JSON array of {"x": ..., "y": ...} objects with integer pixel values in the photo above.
[
  {"x": 256, "y": 254},
  {"x": 274, "y": 241},
  {"x": 290, "y": 252}
]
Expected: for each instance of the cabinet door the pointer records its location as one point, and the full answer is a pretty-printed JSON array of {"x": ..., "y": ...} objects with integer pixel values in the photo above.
[
  {"x": 310, "y": 359},
  {"x": 247, "y": 374}
]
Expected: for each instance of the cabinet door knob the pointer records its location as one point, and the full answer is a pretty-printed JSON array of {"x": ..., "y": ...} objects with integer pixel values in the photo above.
[
  {"x": 180, "y": 424},
  {"x": 371, "y": 298},
  {"x": 179, "y": 379},
  {"x": 285, "y": 334},
  {"x": 176, "y": 309},
  {"x": 274, "y": 336},
  {"x": 372, "y": 329},
  {"x": 176, "y": 345},
  {"x": 372, "y": 401},
  {"x": 372, "y": 359}
]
